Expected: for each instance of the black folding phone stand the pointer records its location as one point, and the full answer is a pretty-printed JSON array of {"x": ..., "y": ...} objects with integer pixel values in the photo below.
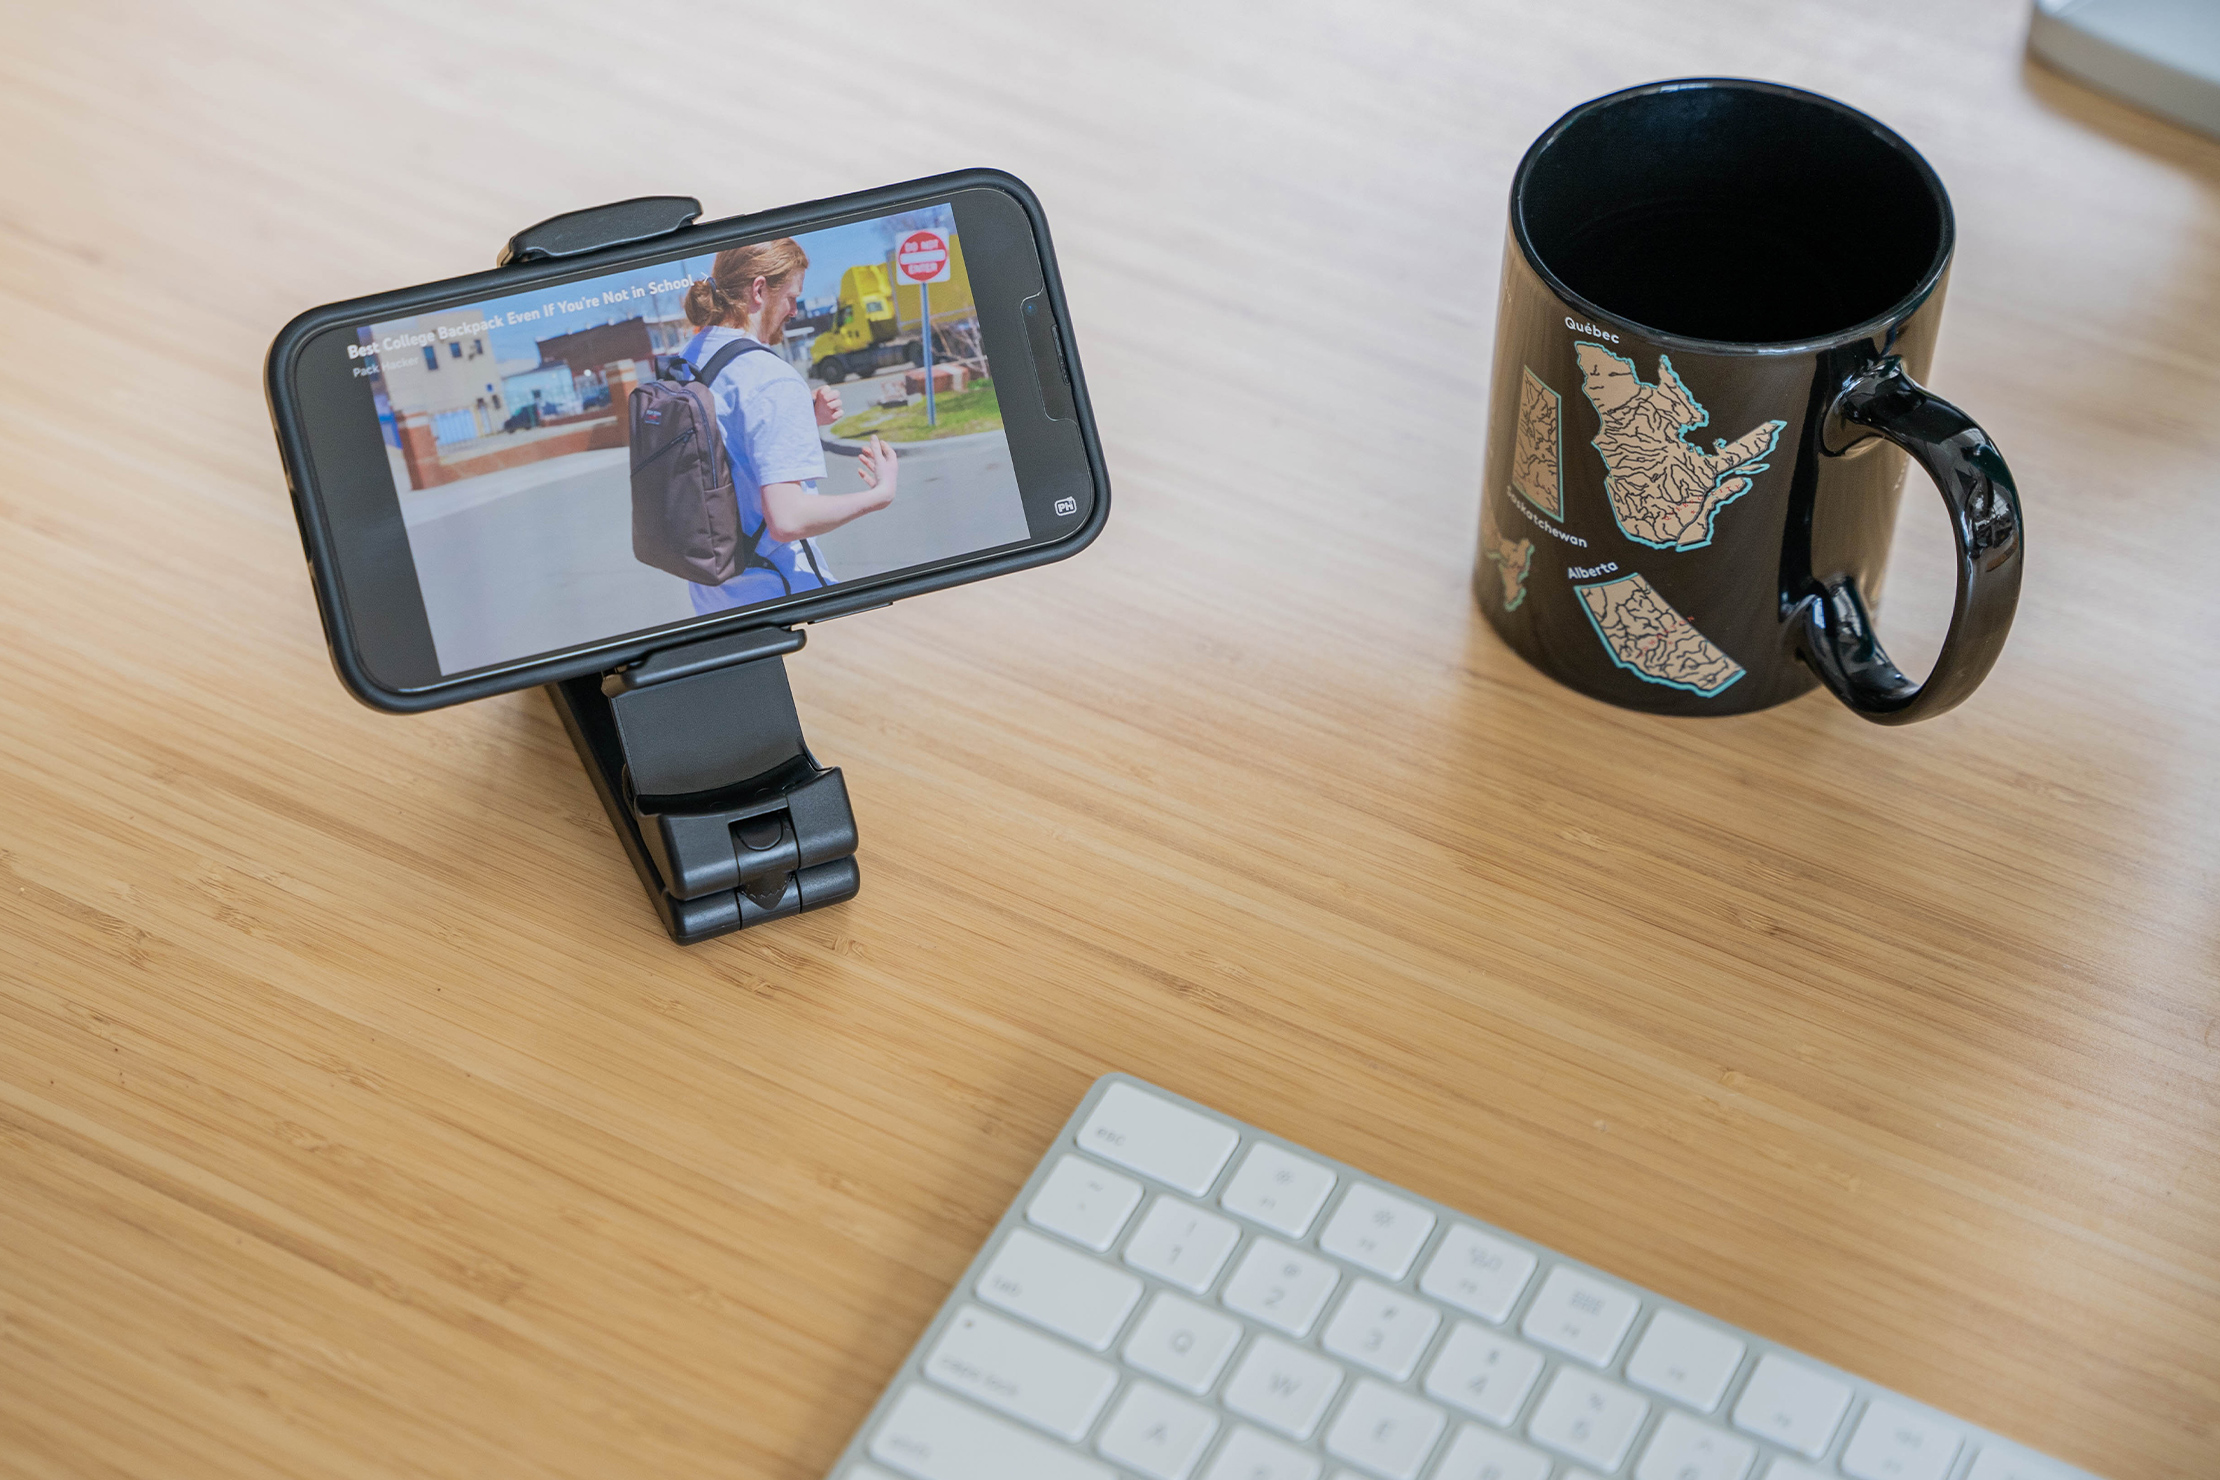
[
  {"x": 698, "y": 757},
  {"x": 696, "y": 751}
]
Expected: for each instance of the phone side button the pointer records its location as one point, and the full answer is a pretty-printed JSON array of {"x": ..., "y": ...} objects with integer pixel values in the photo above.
[
  {"x": 300, "y": 522},
  {"x": 1047, "y": 345}
]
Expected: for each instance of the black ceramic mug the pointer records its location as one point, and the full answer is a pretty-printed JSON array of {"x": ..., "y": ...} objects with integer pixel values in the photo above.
[{"x": 1718, "y": 301}]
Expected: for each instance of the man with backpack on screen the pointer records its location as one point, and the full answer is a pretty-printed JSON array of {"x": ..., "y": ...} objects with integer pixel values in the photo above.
[{"x": 725, "y": 464}]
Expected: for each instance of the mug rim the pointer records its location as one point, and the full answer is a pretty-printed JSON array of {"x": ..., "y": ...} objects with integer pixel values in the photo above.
[{"x": 1866, "y": 329}]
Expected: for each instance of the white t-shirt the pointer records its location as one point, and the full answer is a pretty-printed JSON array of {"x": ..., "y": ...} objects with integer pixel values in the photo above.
[{"x": 769, "y": 422}]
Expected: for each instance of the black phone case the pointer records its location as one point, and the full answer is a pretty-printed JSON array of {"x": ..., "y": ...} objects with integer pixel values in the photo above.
[{"x": 300, "y": 473}]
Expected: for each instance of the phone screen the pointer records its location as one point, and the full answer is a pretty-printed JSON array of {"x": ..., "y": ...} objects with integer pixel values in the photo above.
[
  {"x": 506, "y": 432},
  {"x": 474, "y": 459}
]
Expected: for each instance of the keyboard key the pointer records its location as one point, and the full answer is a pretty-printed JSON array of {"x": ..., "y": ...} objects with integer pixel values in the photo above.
[
  {"x": 866, "y": 1472},
  {"x": 1683, "y": 1449},
  {"x": 1997, "y": 1463},
  {"x": 1156, "y": 1433},
  {"x": 1004, "y": 1365},
  {"x": 1580, "y": 1315},
  {"x": 1153, "y": 1136},
  {"x": 1282, "y": 1386},
  {"x": 1085, "y": 1203},
  {"x": 1894, "y": 1443},
  {"x": 1278, "y": 1189},
  {"x": 931, "y": 1436},
  {"x": 1486, "y": 1375},
  {"x": 1280, "y": 1286},
  {"x": 1378, "y": 1230},
  {"x": 1380, "y": 1328},
  {"x": 1587, "y": 1419},
  {"x": 1478, "y": 1273},
  {"x": 1059, "y": 1288},
  {"x": 1387, "y": 1432},
  {"x": 1792, "y": 1405},
  {"x": 1685, "y": 1359},
  {"x": 1249, "y": 1455},
  {"x": 1476, "y": 1454},
  {"x": 1180, "y": 1242},
  {"x": 1184, "y": 1343}
]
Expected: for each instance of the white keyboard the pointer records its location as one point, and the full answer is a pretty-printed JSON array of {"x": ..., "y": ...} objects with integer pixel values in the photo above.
[{"x": 1175, "y": 1295}]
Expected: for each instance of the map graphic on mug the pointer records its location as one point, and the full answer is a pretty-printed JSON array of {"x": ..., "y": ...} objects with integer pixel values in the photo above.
[
  {"x": 1513, "y": 559},
  {"x": 1535, "y": 470},
  {"x": 1665, "y": 491},
  {"x": 1646, "y": 635}
]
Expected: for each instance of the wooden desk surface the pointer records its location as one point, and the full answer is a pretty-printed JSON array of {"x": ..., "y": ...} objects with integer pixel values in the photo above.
[{"x": 356, "y": 1119}]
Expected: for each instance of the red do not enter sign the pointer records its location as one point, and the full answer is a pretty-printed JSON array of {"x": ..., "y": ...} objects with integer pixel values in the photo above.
[{"x": 922, "y": 257}]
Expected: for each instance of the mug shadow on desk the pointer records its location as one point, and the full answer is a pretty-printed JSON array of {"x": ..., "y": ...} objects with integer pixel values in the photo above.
[{"x": 1766, "y": 267}]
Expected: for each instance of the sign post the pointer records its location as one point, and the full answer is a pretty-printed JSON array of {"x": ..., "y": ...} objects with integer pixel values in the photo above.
[{"x": 922, "y": 258}]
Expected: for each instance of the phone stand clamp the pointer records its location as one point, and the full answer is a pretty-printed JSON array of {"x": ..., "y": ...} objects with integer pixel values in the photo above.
[{"x": 696, "y": 751}]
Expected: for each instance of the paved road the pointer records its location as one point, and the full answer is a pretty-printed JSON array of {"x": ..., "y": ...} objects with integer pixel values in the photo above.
[
  {"x": 540, "y": 557},
  {"x": 546, "y": 562},
  {"x": 951, "y": 498}
]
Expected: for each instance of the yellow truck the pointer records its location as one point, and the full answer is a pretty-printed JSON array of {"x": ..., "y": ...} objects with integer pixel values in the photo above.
[{"x": 874, "y": 324}]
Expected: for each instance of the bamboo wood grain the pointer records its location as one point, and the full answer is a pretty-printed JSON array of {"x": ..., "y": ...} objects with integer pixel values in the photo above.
[{"x": 357, "y": 1120}]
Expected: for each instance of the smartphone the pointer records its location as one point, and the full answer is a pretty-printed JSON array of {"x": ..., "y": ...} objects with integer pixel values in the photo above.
[{"x": 460, "y": 454}]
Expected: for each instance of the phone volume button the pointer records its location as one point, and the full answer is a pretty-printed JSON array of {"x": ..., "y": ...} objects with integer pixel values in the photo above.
[{"x": 300, "y": 522}]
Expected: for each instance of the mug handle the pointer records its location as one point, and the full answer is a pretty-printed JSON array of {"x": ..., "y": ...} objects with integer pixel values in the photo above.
[{"x": 1836, "y": 637}]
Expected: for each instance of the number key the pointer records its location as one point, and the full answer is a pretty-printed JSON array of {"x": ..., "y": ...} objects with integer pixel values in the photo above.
[
  {"x": 1485, "y": 1374},
  {"x": 1280, "y": 1286},
  {"x": 1591, "y": 1420},
  {"x": 1180, "y": 1242},
  {"x": 1381, "y": 1328}
]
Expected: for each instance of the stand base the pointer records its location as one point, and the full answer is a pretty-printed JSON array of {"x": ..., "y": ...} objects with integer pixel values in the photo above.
[{"x": 726, "y": 854}]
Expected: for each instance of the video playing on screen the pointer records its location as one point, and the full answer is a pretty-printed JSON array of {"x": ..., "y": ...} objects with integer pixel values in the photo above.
[{"x": 514, "y": 426}]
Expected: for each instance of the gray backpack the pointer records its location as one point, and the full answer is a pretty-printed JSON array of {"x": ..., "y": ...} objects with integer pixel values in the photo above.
[{"x": 685, "y": 518}]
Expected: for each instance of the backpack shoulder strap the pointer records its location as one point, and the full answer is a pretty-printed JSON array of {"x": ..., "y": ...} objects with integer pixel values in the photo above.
[
  {"x": 751, "y": 553},
  {"x": 709, "y": 372}
]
